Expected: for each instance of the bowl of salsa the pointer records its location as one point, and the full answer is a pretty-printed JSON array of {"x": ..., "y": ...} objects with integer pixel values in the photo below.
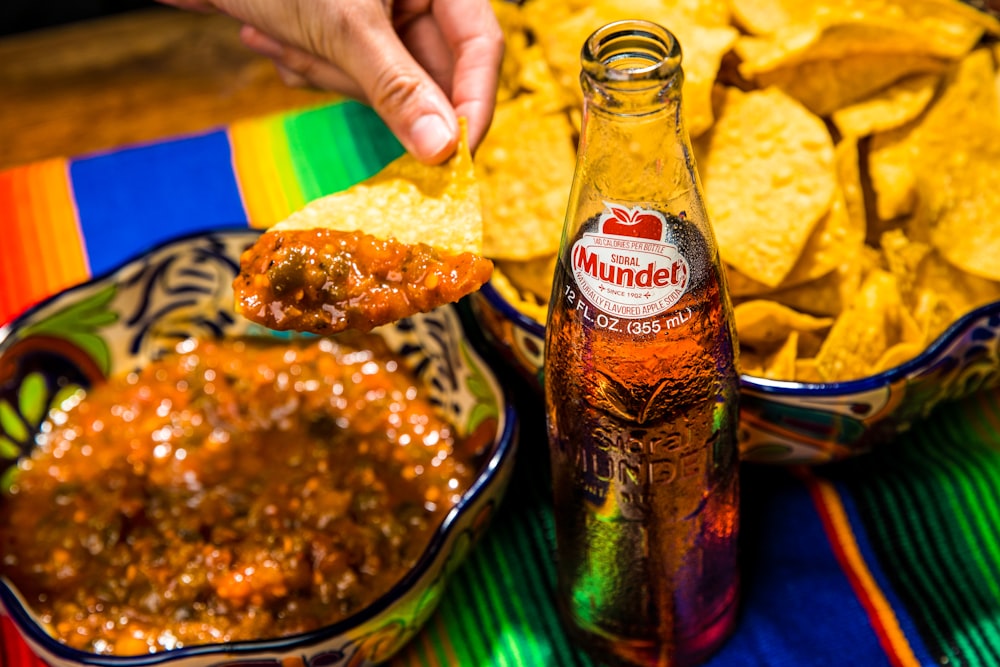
[{"x": 178, "y": 484}]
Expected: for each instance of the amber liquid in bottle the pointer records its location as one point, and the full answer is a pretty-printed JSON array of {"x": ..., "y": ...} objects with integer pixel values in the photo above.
[{"x": 641, "y": 379}]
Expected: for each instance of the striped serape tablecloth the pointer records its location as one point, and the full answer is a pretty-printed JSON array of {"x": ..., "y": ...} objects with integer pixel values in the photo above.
[{"x": 892, "y": 558}]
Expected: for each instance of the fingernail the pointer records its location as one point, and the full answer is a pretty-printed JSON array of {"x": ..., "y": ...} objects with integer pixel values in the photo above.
[{"x": 430, "y": 136}]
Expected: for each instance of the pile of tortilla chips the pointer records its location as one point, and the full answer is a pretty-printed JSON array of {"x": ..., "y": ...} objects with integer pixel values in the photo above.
[{"x": 849, "y": 152}]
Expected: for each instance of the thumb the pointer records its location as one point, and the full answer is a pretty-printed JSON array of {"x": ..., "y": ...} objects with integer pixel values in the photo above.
[{"x": 402, "y": 93}]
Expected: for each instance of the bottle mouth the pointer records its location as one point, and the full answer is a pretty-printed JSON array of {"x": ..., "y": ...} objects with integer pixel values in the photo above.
[{"x": 632, "y": 51}]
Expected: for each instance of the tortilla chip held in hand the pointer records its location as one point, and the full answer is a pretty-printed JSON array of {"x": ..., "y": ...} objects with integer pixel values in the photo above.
[{"x": 407, "y": 240}]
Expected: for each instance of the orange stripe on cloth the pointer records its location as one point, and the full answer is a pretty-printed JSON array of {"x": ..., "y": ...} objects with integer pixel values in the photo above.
[
  {"x": 262, "y": 163},
  {"x": 838, "y": 529},
  {"x": 41, "y": 251}
]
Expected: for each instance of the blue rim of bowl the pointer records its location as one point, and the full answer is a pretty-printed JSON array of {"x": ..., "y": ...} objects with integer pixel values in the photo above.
[
  {"x": 507, "y": 309},
  {"x": 791, "y": 388},
  {"x": 504, "y": 448}
]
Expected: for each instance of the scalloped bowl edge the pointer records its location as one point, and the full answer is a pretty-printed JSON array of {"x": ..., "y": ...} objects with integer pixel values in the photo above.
[{"x": 375, "y": 633}]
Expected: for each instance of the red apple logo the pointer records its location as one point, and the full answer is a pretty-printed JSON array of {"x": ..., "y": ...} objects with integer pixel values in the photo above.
[{"x": 633, "y": 222}]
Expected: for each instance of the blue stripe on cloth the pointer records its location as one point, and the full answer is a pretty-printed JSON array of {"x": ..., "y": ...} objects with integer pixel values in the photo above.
[
  {"x": 905, "y": 621},
  {"x": 133, "y": 199},
  {"x": 798, "y": 606}
]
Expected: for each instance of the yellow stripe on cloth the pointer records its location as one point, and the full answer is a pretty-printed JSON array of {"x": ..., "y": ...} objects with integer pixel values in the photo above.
[{"x": 262, "y": 162}]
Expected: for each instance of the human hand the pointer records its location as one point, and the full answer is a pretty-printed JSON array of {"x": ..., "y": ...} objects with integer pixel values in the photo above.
[{"x": 420, "y": 64}]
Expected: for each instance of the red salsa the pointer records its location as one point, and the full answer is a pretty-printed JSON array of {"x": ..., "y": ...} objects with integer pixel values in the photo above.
[
  {"x": 325, "y": 281},
  {"x": 229, "y": 491}
]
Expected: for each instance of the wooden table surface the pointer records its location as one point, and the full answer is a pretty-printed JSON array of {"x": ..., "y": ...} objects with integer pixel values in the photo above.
[{"x": 130, "y": 78}]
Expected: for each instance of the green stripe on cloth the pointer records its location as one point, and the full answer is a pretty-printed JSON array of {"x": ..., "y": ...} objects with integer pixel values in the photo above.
[
  {"x": 980, "y": 489},
  {"x": 498, "y": 608},
  {"x": 930, "y": 506},
  {"x": 334, "y": 147}
]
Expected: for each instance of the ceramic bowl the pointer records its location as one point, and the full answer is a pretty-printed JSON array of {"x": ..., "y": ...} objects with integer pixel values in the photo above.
[
  {"x": 180, "y": 290},
  {"x": 795, "y": 422}
]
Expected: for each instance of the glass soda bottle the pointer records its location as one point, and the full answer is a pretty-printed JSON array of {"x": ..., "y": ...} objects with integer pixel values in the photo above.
[{"x": 641, "y": 381}]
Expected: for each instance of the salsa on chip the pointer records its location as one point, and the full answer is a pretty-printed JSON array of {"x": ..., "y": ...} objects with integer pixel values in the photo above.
[{"x": 407, "y": 240}]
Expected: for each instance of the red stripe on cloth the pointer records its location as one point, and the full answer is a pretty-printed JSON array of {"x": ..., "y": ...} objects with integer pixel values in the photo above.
[
  {"x": 837, "y": 526},
  {"x": 14, "y": 651}
]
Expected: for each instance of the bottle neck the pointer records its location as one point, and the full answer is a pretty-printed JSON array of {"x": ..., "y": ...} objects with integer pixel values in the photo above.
[
  {"x": 633, "y": 137},
  {"x": 640, "y": 156},
  {"x": 632, "y": 68},
  {"x": 627, "y": 99}
]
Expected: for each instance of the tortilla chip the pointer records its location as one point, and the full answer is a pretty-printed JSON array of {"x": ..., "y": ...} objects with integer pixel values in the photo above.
[
  {"x": 825, "y": 85},
  {"x": 773, "y": 337},
  {"x": 872, "y": 323},
  {"x": 525, "y": 168},
  {"x": 967, "y": 198},
  {"x": 769, "y": 17},
  {"x": 941, "y": 293},
  {"x": 852, "y": 186},
  {"x": 893, "y": 107},
  {"x": 765, "y": 17},
  {"x": 897, "y": 355},
  {"x": 561, "y": 34},
  {"x": 836, "y": 238},
  {"x": 708, "y": 12},
  {"x": 407, "y": 201},
  {"x": 703, "y": 49},
  {"x": 839, "y": 238},
  {"x": 996, "y": 59},
  {"x": 778, "y": 364},
  {"x": 947, "y": 161},
  {"x": 511, "y": 22},
  {"x": 741, "y": 286},
  {"x": 768, "y": 171},
  {"x": 524, "y": 68},
  {"x": 902, "y": 257},
  {"x": 806, "y": 371},
  {"x": 827, "y": 296},
  {"x": 752, "y": 364},
  {"x": 799, "y": 31},
  {"x": 765, "y": 324},
  {"x": 538, "y": 79},
  {"x": 531, "y": 277}
]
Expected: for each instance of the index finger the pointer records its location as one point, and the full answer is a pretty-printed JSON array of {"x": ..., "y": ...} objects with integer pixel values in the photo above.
[{"x": 473, "y": 33}]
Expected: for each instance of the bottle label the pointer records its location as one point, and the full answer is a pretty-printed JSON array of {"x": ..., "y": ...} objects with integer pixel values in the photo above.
[{"x": 626, "y": 268}]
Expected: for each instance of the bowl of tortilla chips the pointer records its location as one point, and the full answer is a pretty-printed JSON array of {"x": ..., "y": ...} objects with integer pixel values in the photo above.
[{"x": 847, "y": 153}]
